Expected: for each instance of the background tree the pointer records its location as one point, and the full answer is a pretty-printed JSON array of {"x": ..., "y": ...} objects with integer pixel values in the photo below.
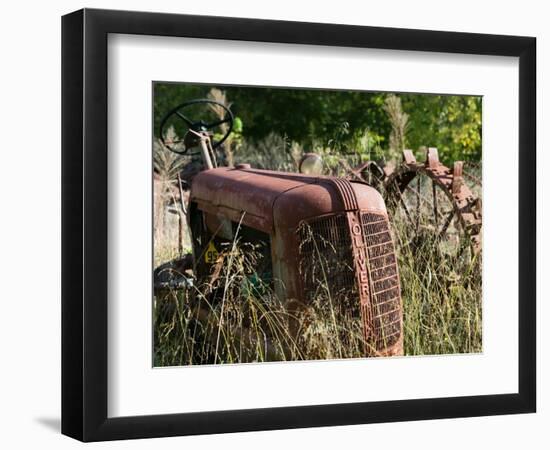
[{"x": 344, "y": 121}]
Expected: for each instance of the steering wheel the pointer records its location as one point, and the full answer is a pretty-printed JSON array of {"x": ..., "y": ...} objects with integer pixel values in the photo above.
[{"x": 190, "y": 139}]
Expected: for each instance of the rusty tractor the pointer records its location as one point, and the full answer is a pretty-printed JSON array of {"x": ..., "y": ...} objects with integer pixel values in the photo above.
[{"x": 295, "y": 220}]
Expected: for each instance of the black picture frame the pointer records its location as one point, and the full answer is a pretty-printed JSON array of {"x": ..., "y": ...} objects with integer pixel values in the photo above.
[{"x": 84, "y": 224}]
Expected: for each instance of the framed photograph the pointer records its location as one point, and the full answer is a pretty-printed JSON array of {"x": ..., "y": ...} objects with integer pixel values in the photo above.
[{"x": 273, "y": 225}]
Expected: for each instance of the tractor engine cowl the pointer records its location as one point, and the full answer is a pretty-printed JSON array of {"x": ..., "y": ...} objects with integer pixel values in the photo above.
[{"x": 329, "y": 238}]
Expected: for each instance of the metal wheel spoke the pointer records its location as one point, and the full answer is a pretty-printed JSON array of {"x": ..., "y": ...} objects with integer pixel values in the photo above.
[
  {"x": 218, "y": 122},
  {"x": 446, "y": 224},
  {"x": 434, "y": 192},
  {"x": 185, "y": 119},
  {"x": 403, "y": 204},
  {"x": 417, "y": 204},
  {"x": 422, "y": 197}
]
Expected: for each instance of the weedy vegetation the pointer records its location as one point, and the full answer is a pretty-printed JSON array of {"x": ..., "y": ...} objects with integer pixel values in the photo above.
[
  {"x": 236, "y": 317},
  {"x": 246, "y": 322}
]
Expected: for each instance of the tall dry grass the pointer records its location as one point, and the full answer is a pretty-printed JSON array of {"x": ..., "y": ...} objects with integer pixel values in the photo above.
[
  {"x": 442, "y": 300},
  {"x": 238, "y": 318}
]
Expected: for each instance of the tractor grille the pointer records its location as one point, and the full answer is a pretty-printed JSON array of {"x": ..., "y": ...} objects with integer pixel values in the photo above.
[
  {"x": 326, "y": 261},
  {"x": 385, "y": 292},
  {"x": 326, "y": 258}
]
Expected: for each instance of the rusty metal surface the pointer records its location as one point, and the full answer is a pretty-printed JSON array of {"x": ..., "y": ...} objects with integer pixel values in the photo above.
[
  {"x": 358, "y": 254},
  {"x": 386, "y": 310},
  {"x": 358, "y": 263},
  {"x": 259, "y": 194},
  {"x": 377, "y": 280},
  {"x": 232, "y": 191},
  {"x": 466, "y": 206}
]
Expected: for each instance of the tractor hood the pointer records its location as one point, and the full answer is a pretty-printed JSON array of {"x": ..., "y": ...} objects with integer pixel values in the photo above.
[{"x": 264, "y": 199}]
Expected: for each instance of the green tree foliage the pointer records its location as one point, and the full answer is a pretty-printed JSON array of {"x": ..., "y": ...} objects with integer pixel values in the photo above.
[
  {"x": 451, "y": 123},
  {"x": 345, "y": 121}
]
